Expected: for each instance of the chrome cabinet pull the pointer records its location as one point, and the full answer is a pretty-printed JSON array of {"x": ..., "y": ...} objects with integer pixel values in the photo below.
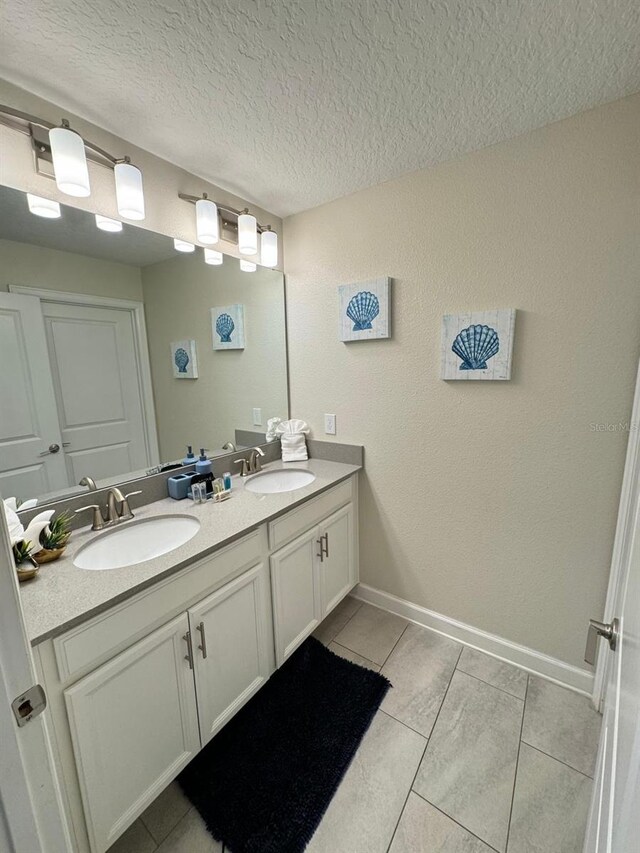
[
  {"x": 189, "y": 655},
  {"x": 326, "y": 544},
  {"x": 203, "y": 639},
  {"x": 320, "y": 553}
]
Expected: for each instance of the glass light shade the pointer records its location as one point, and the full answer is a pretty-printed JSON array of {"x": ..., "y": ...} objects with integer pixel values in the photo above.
[
  {"x": 247, "y": 234},
  {"x": 106, "y": 224},
  {"x": 269, "y": 248},
  {"x": 43, "y": 207},
  {"x": 129, "y": 193},
  {"x": 183, "y": 246},
  {"x": 69, "y": 161},
  {"x": 207, "y": 221},
  {"x": 247, "y": 266},
  {"x": 211, "y": 256}
]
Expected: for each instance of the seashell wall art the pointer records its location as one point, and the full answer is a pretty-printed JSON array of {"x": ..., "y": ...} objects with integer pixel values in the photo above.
[
  {"x": 227, "y": 326},
  {"x": 365, "y": 310},
  {"x": 184, "y": 360},
  {"x": 477, "y": 345}
]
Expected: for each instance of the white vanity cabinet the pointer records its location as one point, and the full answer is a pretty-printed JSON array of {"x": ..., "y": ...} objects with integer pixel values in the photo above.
[
  {"x": 134, "y": 726},
  {"x": 314, "y": 572}
]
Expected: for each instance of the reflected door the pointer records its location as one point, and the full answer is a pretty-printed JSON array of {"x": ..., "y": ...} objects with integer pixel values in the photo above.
[
  {"x": 31, "y": 457},
  {"x": 97, "y": 387}
]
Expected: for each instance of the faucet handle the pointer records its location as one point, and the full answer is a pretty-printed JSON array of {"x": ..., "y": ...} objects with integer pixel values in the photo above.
[
  {"x": 126, "y": 513},
  {"x": 245, "y": 466},
  {"x": 97, "y": 520}
]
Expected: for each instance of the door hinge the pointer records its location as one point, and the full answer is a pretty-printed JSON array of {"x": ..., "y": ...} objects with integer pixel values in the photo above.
[{"x": 29, "y": 704}]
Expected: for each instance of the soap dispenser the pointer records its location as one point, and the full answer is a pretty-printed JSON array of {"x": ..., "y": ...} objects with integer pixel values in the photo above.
[
  {"x": 203, "y": 465},
  {"x": 190, "y": 458}
]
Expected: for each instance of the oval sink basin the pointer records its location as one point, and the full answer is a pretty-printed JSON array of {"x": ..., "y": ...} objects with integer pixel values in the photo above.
[
  {"x": 287, "y": 480},
  {"x": 137, "y": 542}
]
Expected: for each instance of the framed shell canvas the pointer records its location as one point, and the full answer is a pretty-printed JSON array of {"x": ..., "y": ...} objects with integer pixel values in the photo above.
[
  {"x": 227, "y": 325},
  {"x": 365, "y": 310},
  {"x": 184, "y": 360},
  {"x": 477, "y": 345}
]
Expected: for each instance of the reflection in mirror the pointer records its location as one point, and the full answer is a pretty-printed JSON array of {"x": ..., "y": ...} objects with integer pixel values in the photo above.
[{"x": 117, "y": 351}]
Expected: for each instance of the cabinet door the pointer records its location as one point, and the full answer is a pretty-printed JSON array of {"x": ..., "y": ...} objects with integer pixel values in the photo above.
[
  {"x": 295, "y": 586},
  {"x": 134, "y": 726},
  {"x": 337, "y": 567},
  {"x": 231, "y": 637}
]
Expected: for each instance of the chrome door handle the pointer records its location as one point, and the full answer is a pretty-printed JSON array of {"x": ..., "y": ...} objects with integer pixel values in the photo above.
[
  {"x": 189, "y": 655},
  {"x": 203, "y": 640},
  {"x": 320, "y": 553},
  {"x": 53, "y": 448},
  {"x": 609, "y": 630},
  {"x": 325, "y": 536}
]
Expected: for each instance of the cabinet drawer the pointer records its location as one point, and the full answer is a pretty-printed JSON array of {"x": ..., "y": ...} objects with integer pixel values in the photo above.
[
  {"x": 288, "y": 526},
  {"x": 95, "y": 641}
]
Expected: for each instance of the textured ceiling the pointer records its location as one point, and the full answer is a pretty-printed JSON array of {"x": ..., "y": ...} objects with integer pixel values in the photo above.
[{"x": 291, "y": 103}]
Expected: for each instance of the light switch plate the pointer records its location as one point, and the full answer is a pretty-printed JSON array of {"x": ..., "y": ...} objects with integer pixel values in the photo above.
[
  {"x": 330, "y": 424},
  {"x": 257, "y": 417}
]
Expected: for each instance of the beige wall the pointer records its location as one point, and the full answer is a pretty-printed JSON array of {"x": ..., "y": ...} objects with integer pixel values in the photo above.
[
  {"x": 178, "y": 296},
  {"x": 165, "y": 212},
  {"x": 36, "y": 266},
  {"x": 490, "y": 502}
]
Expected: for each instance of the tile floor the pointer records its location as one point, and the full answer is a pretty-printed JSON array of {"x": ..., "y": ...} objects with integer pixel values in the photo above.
[{"x": 466, "y": 755}]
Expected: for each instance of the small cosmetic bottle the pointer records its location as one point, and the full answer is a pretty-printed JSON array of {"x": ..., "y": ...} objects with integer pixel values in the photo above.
[{"x": 227, "y": 480}]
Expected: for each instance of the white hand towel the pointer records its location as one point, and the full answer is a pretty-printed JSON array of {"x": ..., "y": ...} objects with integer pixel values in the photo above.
[
  {"x": 292, "y": 440},
  {"x": 272, "y": 432}
]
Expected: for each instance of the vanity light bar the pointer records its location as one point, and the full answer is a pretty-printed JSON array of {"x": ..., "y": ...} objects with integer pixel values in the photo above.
[
  {"x": 69, "y": 153},
  {"x": 245, "y": 223}
]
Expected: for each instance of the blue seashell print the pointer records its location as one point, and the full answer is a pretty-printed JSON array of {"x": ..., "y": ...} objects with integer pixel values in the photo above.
[
  {"x": 181, "y": 359},
  {"x": 224, "y": 327},
  {"x": 363, "y": 309},
  {"x": 475, "y": 345}
]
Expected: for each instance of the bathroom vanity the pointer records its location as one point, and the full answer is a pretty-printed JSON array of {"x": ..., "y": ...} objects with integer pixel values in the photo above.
[{"x": 143, "y": 664}]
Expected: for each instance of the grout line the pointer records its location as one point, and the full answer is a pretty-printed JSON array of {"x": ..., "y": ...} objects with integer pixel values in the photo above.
[
  {"x": 515, "y": 775},
  {"x": 411, "y": 729},
  {"x": 394, "y": 647},
  {"x": 406, "y": 799},
  {"x": 347, "y": 649},
  {"x": 457, "y": 822},
  {"x": 477, "y": 678},
  {"x": 553, "y": 758},
  {"x": 332, "y": 639}
]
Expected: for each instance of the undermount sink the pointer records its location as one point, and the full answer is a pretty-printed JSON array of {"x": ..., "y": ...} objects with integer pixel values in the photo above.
[
  {"x": 284, "y": 480},
  {"x": 137, "y": 542}
]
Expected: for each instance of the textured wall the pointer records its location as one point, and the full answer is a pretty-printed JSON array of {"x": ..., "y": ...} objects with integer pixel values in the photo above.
[
  {"x": 36, "y": 266},
  {"x": 493, "y": 503},
  {"x": 205, "y": 413}
]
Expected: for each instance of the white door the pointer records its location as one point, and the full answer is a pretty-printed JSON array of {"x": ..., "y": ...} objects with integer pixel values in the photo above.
[
  {"x": 230, "y": 636},
  {"x": 134, "y": 726},
  {"x": 613, "y": 820},
  {"x": 337, "y": 560},
  {"x": 28, "y": 416},
  {"x": 96, "y": 380},
  {"x": 295, "y": 587}
]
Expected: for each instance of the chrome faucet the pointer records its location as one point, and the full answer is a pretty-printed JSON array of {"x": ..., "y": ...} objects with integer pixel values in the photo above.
[
  {"x": 252, "y": 464},
  {"x": 117, "y": 509},
  {"x": 229, "y": 445},
  {"x": 89, "y": 482}
]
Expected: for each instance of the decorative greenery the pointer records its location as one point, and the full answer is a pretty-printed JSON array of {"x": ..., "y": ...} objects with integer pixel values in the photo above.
[
  {"x": 56, "y": 535},
  {"x": 21, "y": 553}
]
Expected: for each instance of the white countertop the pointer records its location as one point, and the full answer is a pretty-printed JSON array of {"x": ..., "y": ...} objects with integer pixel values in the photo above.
[{"x": 61, "y": 595}]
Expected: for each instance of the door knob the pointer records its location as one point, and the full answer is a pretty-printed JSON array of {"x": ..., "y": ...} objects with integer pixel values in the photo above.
[
  {"x": 608, "y": 630},
  {"x": 53, "y": 448}
]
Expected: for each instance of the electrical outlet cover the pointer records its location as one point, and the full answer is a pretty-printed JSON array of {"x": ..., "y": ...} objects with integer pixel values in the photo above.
[
  {"x": 330, "y": 424},
  {"x": 257, "y": 417}
]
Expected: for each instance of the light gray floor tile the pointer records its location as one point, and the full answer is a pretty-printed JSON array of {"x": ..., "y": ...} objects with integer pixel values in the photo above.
[
  {"x": 165, "y": 812},
  {"x": 419, "y": 668},
  {"x": 502, "y": 675},
  {"x": 561, "y": 723},
  {"x": 372, "y": 633},
  {"x": 135, "y": 840},
  {"x": 550, "y": 806},
  {"x": 190, "y": 836},
  {"x": 336, "y": 620},
  {"x": 423, "y": 828},
  {"x": 353, "y": 657},
  {"x": 365, "y": 809},
  {"x": 469, "y": 766}
]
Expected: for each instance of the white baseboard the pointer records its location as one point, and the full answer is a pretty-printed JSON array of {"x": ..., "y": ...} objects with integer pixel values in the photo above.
[{"x": 553, "y": 669}]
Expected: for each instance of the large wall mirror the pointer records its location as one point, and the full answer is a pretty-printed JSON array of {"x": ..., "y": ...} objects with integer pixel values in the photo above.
[{"x": 117, "y": 351}]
